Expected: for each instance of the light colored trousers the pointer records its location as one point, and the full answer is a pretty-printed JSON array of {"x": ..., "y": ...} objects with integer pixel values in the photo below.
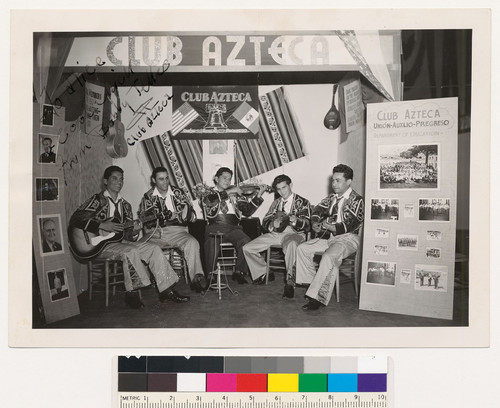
[
  {"x": 179, "y": 236},
  {"x": 335, "y": 250},
  {"x": 289, "y": 239},
  {"x": 135, "y": 274}
]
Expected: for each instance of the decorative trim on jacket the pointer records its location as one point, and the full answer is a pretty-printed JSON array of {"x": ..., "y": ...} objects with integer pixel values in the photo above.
[
  {"x": 352, "y": 213},
  {"x": 242, "y": 207},
  {"x": 300, "y": 207}
]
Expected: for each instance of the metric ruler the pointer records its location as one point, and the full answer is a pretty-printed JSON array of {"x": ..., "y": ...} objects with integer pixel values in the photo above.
[{"x": 253, "y": 400}]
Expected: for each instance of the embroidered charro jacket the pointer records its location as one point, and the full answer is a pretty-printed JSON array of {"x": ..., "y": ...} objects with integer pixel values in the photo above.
[
  {"x": 95, "y": 210},
  {"x": 352, "y": 213},
  {"x": 154, "y": 204},
  {"x": 300, "y": 207},
  {"x": 242, "y": 207}
]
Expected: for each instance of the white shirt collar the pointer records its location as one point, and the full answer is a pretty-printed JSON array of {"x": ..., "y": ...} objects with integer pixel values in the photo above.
[
  {"x": 346, "y": 194},
  {"x": 156, "y": 192},
  {"x": 118, "y": 198}
]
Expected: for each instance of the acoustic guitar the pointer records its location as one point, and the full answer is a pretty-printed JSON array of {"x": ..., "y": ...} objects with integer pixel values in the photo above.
[{"x": 86, "y": 245}]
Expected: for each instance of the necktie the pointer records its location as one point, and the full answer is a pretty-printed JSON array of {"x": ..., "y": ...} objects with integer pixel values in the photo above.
[
  {"x": 334, "y": 207},
  {"x": 283, "y": 203},
  {"x": 223, "y": 207},
  {"x": 116, "y": 214}
]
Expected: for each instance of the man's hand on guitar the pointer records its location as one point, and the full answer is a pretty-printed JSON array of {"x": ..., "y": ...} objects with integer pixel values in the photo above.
[
  {"x": 137, "y": 225},
  {"x": 316, "y": 227},
  {"x": 111, "y": 226},
  {"x": 329, "y": 227}
]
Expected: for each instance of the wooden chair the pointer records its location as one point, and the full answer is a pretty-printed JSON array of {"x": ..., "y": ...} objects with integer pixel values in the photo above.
[
  {"x": 112, "y": 269},
  {"x": 177, "y": 260},
  {"x": 225, "y": 261},
  {"x": 275, "y": 259}
]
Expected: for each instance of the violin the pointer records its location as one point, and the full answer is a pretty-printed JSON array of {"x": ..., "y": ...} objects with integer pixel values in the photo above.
[{"x": 251, "y": 189}]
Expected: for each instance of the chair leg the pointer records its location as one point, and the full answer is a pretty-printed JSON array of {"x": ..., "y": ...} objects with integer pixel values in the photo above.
[
  {"x": 115, "y": 271},
  {"x": 337, "y": 285},
  {"x": 106, "y": 281},
  {"x": 268, "y": 261},
  {"x": 89, "y": 269}
]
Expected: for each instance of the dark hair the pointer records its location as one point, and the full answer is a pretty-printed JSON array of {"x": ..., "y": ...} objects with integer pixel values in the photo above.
[
  {"x": 157, "y": 170},
  {"x": 346, "y": 170},
  {"x": 110, "y": 170},
  {"x": 47, "y": 138},
  {"x": 223, "y": 170},
  {"x": 280, "y": 179}
]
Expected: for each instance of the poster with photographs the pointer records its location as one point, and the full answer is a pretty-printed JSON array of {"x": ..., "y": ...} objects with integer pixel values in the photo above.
[
  {"x": 434, "y": 209},
  {"x": 381, "y": 273},
  {"x": 385, "y": 209},
  {"x": 47, "y": 189},
  {"x": 47, "y": 148},
  {"x": 58, "y": 284},
  {"x": 433, "y": 278},
  {"x": 411, "y": 187},
  {"x": 50, "y": 232},
  {"x": 405, "y": 276},
  {"x": 407, "y": 242},
  {"x": 414, "y": 166}
]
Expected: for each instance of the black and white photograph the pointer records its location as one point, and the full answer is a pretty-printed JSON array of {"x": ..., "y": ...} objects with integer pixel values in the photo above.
[
  {"x": 381, "y": 273},
  {"x": 433, "y": 253},
  {"x": 218, "y": 146},
  {"x": 50, "y": 233},
  {"x": 48, "y": 115},
  {"x": 47, "y": 189},
  {"x": 405, "y": 276},
  {"x": 380, "y": 250},
  {"x": 382, "y": 233},
  {"x": 434, "y": 235},
  {"x": 407, "y": 242},
  {"x": 47, "y": 148},
  {"x": 434, "y": 209},
  {"x": 386, "y": 209},
  {"x": 58, "y": 284},
  {"x": 409, "y": 211},
  {"x": 432, "y": 278},
  {"x": 409, "y": 166}
]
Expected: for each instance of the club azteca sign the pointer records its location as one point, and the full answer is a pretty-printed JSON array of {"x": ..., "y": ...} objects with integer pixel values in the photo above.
[{"x": 219, "y": 112}]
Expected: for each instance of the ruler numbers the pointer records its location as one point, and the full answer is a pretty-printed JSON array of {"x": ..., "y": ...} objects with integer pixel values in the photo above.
[{"x": 264, "y": 400}]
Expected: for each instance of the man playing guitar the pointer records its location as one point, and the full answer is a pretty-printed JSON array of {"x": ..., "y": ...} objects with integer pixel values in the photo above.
[
  {"x": 106, "y": 214},
  {"x": 163, "y": 196}
]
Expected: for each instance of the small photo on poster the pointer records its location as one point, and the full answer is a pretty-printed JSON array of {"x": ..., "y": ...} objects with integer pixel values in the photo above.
[
  {"x": 409, "y": 211},
  {"x": 431, "y": 278},
  {"x": 47, "y": 148},
  {"x": 433, "y": 253},
  {"x": 50, "y": 234},
  {"x": 385, "y": 209},
  {"x": 408, "y": 167},
  {"x": 405, "y": 276},
  {"x": 434, "y": 209},
  {"x": 381, "y": 273},
  {"x": 382, "y": 233},
  {"x": 47, "y": 115},
  {"x": 217, "y": 146},
  {"x": 434, "y": 236},
  {"x": 58, "y": 284},
  {"x": 380, "y": 250},
  {"x": 47, "y": 189},
  {"x": 407, "y": 242}
]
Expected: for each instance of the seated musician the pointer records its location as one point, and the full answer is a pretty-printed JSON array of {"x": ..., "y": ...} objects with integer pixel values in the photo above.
[
  {"x": 337, "y": 219},
  {"x": 162, "y": 198},
  {"x": 287, "y": 221},
  {"x": 107, "y": 214},
  {"x": 224, "y": 206}
]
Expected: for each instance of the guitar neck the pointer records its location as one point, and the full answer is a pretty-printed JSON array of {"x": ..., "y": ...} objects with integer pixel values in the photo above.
[{"x": 153, "y": 217}]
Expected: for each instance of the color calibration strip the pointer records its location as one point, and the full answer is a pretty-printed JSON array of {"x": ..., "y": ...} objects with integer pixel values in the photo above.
[{"x": 252, "y": 374}]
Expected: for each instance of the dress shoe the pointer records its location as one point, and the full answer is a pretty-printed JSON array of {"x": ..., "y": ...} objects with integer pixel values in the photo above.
[
  {"x": 313, "y": 304},
  {"x": 239, "y": 277},
  {"x": 133, "y": 299},
  {"x": 199, "y": 283},
  {"x": 261, "y": 280},
  {"x": 288, "y": 292},
  {"x": 173, "y": 296}
]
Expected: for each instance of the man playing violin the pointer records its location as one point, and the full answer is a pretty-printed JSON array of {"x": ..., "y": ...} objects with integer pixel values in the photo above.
[
  {"x": 224, "y": 206},
  {"x": 340, "y": 215},
  {"x": 286, "y": 223},
  {"x": 161, "y": 198},
  {"x": 106, "y": 213}
]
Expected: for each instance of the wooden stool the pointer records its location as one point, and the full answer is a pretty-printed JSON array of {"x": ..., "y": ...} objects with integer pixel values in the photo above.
[
  {"x": 276, "y": 262},
  {"x": 113, "y": 275}
]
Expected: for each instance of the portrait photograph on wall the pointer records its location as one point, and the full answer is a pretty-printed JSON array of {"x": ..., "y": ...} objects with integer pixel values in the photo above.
[{"x": 214, "y": 163}]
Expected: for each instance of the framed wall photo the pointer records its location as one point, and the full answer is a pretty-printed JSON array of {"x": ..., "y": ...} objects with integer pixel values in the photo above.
[
  {"x": 47, "y": 115},
  {"x": 381, "y": 273},
  {"x": 47, "y": 189},
  {"x": 58, "y": 284},
  {"x": 48, "y": 145},
  {"x": 386, "y": 209},
  {"x": 434, "y": 209},
  {"x": 50, "y": 233}
]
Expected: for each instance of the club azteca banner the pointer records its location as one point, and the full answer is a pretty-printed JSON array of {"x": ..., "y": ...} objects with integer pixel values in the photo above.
[{"x": 215, "y": 112}]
